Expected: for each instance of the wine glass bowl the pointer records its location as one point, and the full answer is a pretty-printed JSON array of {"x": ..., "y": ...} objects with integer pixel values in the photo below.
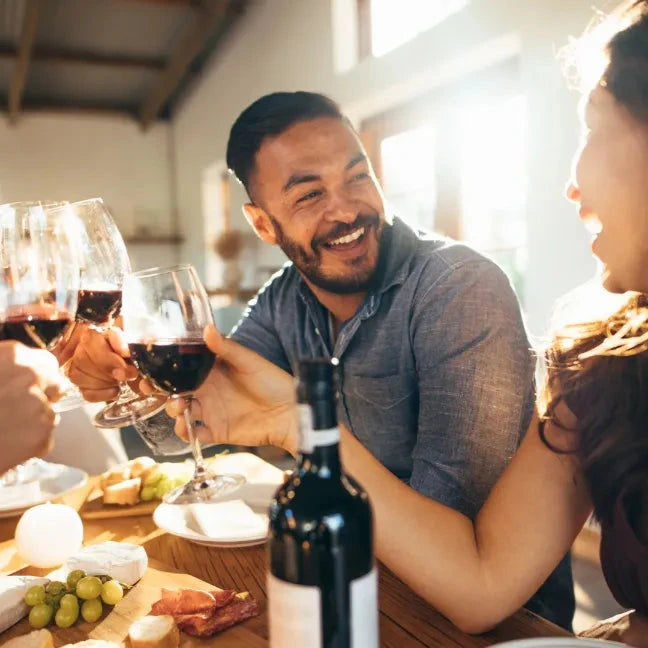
[
  {"x": 40, "y": 274},
  {"x": 165, "y": 313}
]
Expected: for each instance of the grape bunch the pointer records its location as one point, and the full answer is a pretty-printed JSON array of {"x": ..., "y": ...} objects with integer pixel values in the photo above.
[
  {"x": 159, "y": 483},
  {"x": 80, "y": 595}
]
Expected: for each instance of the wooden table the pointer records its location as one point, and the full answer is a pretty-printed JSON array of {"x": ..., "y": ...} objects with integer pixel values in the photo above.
[{"x": 405, "y": 619}]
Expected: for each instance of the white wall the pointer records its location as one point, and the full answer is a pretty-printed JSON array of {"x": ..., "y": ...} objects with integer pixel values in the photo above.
[
  {"x": 71, "y": 157},
  {"x": 287, "y": 44}
]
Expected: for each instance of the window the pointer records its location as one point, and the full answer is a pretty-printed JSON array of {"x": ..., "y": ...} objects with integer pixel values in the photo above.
[
  {"x": 394, "y": 22},
  {"x": 407, "y": 162},
  {"x": 455, "y": 161}
]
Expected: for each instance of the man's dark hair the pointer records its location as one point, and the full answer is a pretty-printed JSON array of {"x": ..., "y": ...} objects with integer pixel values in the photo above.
[{"x": 271, "y": 115}]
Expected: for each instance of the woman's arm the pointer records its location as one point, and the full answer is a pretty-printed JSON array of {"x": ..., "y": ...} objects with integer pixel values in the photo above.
[{"x": 478, "y": 574}]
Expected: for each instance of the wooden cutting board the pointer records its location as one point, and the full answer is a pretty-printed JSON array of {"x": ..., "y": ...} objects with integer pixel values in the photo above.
[
  {"x": 115, "y": 622},
  {"x": 253, "y": 468}
]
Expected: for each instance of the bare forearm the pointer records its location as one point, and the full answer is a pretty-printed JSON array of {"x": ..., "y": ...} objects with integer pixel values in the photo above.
[{"x": 475, "y": 574}]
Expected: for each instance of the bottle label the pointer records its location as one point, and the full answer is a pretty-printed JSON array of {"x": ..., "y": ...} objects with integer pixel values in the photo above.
[
  {"x": 296, "y": 616},
  {"x": 309, "y": 439}
]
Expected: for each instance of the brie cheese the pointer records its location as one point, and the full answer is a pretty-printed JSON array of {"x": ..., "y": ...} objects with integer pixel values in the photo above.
[
  {"x": 120, "y": 560},
  {"x": 12, "y": 594}
]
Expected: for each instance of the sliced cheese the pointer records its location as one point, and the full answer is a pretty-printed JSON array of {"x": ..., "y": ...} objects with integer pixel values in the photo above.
[
  {"x": 229, "y": 519},
  {"x": 120, "y": 560},
  {"x": 12, "y": 594}
]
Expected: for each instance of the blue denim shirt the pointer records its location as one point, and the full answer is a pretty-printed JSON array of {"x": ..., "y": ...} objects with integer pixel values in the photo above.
[{"x": 436, "y": 369}]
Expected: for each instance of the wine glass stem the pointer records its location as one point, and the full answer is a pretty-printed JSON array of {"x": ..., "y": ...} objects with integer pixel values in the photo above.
[{"x": 194, "y": 442}]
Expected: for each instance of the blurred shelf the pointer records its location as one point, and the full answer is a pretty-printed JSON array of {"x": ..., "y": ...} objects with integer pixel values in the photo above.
[
  {"x": 154, "y": 240},
  {"x": 244, "y": 294}
]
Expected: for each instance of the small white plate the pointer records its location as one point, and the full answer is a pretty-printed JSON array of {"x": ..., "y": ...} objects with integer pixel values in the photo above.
[
  {"x": 559, "y": 642},
  {"x": 178, "y": 520},
  {"x": 61, "y": 481}
]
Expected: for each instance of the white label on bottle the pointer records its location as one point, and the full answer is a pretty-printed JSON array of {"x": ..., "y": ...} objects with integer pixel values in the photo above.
[
  {"x": 295, "y": 613},
  {"x": 364, "y": 611},
  {"x": 309, "y": 439}
]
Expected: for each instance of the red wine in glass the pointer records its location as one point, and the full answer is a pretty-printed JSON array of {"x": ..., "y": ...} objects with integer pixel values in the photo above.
[
  {"x": 33, "y": 331},
  {"x": 174, "y": 366},
  {"x": 98, "y": 306}
]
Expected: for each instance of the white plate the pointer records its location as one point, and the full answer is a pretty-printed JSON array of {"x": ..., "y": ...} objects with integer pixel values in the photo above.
[
  {"x": 178, "y": 520},
  {"x": 558, "y": 642},
  {"x": 64, "y": 480}
]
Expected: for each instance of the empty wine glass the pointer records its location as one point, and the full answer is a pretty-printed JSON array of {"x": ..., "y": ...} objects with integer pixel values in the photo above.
[
  {"x": 104, "y": 264},
  {"x": 165, "y": 313}
]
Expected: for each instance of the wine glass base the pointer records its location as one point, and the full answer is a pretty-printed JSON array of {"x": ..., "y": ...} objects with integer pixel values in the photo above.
[
  {"x": 204, "y": 487},
  {"x": 122, "y": 413}
]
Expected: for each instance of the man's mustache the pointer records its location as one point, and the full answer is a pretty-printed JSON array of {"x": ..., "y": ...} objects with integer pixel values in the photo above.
[{"x": 342, "y": 229}]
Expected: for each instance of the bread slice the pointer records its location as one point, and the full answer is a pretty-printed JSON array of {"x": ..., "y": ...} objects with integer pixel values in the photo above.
[
  {"x": 154, "y": 632},
  {"x": 115, "y": 476},
  {"x": 36, "y": 639},
  {"x": 141, "y": 467},
  {"x": 126, "y": 492},
  {"x": 94, "y": 643}
]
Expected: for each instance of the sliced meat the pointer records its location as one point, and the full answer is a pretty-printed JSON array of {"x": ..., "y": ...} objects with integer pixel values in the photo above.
[
  {"x": 202, "y": 625},
  {"x": 190, "y": 601}
]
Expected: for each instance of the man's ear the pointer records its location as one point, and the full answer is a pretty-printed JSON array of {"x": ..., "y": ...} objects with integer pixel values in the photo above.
[{"x": 260, "y": 222}]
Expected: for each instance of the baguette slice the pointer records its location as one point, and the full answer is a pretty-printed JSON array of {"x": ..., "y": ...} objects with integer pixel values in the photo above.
[
  {"x": 126, "y": 492},
  {"x": 36, "y": 639},
  {"x": 141, "y": 467},
  {"x": 114, "y": 476},
  {"x": 94, "y": 643},
  {"x": 154, "y": 632}
]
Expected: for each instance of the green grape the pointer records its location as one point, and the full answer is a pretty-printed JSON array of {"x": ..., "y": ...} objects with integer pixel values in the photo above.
[
  {"x": 65, "y": 617},
  {"x": 148, "y": 493},
  {"x": 112, "y": 592},
  {"x": 40, "y": 615},
  {"x": 154, "y": 478},
  {"x": 69, "y": 602},
  {"x": 54, "y": 600},
  {"x": 74, "y": 577},
  {"x": 35, "y": 595},
  {"x": 91, "y": 610},
  {"x": 88, "y": 587},
  {"x": 105, "y": 579},
  {"x": 55, "y": 587}
]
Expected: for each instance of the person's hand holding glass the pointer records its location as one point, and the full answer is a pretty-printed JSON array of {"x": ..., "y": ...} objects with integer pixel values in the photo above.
[{"x": 165, "y": 313}]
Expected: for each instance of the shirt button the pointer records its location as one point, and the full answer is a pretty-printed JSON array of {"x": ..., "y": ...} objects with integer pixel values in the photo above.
[{"x": 317, "y": 331}]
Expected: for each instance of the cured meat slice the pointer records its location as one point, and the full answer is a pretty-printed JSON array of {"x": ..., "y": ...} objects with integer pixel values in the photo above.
[
  {"x": 202, "y": 625},
  {"x": 190, "y": 601}
]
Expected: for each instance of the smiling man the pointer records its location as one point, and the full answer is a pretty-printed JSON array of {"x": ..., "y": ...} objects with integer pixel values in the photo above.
[{"x": 437, "y": 375}]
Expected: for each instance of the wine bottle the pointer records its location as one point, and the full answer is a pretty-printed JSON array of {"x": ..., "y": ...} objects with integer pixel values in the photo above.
[{"x": 322, "y": 585}]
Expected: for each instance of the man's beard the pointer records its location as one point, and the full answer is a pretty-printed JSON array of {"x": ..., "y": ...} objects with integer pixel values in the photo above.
[{"x": 308, "y": 262}]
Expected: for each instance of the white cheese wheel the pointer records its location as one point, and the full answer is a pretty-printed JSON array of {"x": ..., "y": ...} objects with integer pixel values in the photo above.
[
  {"x": 120, "y": 560},
  {"x": 12, "y": 594}
]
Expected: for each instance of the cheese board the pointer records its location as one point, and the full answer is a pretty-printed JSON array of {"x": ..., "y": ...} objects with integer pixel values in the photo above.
[
  {"x": 116, "y": 621},
  {"x": 256, "y": 471}
]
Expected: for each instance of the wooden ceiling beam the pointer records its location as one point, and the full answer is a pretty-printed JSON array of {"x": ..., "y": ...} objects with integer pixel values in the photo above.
[
  {"x": 206, "y": 21},
  {"x": 25, "y": 46},
  {"x": 53, "y": 55}
]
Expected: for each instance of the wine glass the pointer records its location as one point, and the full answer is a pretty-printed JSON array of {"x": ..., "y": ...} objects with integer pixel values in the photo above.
[
  {"x": 31, "y": 214},
  {"x": 104, "y": 264},
  {"x": 165, "y": 313},
  {"x": 39, "y": 284}
]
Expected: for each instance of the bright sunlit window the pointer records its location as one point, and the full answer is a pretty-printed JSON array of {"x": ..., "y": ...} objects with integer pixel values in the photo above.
[
  {"x": 494, "y": 182},
  {"x": 394, "y": 22},
  {"x": 408, "y": 172}
]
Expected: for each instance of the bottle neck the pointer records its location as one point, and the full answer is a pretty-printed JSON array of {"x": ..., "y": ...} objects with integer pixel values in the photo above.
[{"x": 319, "y": 443}]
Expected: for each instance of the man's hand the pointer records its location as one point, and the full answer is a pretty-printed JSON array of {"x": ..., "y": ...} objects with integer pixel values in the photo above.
[
  {"x": 98, "y": 364},
  {"x": 30, "y": 383},
  {"x": 246, "y": 400}
]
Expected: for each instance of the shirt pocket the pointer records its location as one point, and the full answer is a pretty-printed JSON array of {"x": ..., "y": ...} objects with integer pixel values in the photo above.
[{"x": 383, "y": 412}]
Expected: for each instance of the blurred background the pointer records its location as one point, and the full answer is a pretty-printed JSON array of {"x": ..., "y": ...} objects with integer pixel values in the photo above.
[{"x": 462, "y": 105}]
